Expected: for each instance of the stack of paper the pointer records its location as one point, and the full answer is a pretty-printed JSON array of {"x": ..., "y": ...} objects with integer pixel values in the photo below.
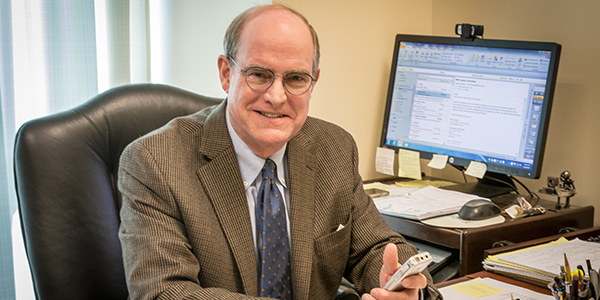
[
  {"x": 422, "y": 203},
  {"x": 540, "y": 264}
]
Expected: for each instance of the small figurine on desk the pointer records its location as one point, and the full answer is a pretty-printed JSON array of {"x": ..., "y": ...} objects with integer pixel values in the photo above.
[
  {"x": 524, "y": 209},
  {"x": 560, "y": 187}
]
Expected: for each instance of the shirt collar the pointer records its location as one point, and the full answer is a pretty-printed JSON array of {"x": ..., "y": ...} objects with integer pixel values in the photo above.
[{"x": 250, "y": 163}]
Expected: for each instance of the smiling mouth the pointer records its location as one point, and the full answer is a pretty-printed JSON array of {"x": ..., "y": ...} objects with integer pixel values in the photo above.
[{"x": 271, "y": 115}]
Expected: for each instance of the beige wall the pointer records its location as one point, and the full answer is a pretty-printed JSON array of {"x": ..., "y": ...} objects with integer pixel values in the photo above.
[
  {"x": 357, "y": 42},
  {"x": 574, "y": 133}
]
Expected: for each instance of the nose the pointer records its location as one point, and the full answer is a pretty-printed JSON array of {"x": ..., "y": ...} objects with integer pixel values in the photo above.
[{"x": 276, "y": 93}]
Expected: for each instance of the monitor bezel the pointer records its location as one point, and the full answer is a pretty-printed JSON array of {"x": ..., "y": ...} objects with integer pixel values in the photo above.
[{"x": 555, "y": 50}]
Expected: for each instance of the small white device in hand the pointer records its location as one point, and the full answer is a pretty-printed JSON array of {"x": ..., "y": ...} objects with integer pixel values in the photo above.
[{"x": 414, "y": 265}]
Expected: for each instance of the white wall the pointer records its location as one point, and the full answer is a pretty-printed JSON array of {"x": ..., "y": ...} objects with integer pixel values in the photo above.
[{"x": 187, "y": 37}]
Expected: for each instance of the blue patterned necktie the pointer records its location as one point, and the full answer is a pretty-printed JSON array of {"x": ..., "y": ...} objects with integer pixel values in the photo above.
[{"x": 275, "y": 273}]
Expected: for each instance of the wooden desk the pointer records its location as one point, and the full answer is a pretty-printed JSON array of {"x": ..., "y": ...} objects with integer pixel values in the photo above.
[
  {"x": 470, "y": 243},
  {"x": 485, "y": 274}
]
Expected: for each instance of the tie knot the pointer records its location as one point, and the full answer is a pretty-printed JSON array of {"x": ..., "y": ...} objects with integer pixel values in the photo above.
[{"x": 269, "y": 169}]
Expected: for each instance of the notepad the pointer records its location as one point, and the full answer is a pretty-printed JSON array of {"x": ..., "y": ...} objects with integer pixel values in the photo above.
[
  {"x": 489, "y": 289},
  {"x": 423, "y": 203}
]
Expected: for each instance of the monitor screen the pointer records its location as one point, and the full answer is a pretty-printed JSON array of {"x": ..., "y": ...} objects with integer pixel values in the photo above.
[{"x": 482, "y": 100}]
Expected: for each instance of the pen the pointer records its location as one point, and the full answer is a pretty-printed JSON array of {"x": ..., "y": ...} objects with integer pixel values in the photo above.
[
  {"x": 593, "y": 279},
  {"x": 558, "y": 283},
  {"x": 567, "y": 269},
  {"x": 574, "y": 288},
  {"x": 560, "y": 288},
  {"x": 580, "y": 267},
  {"x": 578, "y": 273}
]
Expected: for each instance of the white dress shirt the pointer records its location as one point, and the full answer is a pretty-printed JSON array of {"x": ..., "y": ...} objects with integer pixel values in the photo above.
[{"x": 250, "y": 167}]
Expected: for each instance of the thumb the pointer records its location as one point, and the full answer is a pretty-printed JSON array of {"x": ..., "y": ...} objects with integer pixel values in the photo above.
[{"x": 390, "y": 263}]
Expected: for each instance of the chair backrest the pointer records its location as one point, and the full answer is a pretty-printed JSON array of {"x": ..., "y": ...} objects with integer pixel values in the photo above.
[{"x": 66, "y": 180}]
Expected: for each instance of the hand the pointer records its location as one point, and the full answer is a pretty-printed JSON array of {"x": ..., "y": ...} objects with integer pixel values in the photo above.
[{"x": 412, "y": 284}]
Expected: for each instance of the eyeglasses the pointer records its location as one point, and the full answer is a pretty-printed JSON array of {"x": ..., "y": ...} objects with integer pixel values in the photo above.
[{"x": 260, "y": 79}]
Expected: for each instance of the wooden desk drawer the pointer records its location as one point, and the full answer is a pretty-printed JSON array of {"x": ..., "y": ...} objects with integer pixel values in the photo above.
[{"x": 475, "y": 241}]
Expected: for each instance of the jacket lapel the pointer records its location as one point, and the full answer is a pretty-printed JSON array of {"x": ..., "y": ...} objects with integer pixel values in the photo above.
[
  {"x": 216, "y": 178},
  {"x": 228, "y": 195},
  {"x": 302, "y": 192}
]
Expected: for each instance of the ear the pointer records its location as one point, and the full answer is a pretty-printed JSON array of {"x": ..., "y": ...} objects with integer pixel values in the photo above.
[
  {"x": 316, "y": 79},
  {"x": 224, "y": 72}
]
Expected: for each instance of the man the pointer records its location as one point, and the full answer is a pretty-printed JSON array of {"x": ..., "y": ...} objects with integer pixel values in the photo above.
[{"x": 198, "y": 203}]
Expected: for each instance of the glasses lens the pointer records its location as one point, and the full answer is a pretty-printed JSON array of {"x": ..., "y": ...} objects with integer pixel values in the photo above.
[
  {"x": 297, "y": 83},
  {"x": 259, "y": 78}
]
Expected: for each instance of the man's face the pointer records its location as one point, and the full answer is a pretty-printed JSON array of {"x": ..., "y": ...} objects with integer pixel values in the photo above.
[{"x": 265, "y": 120}]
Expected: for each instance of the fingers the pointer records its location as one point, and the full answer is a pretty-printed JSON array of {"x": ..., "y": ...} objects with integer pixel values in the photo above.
[
  {"x": 381, "y": 294},
  {"x": 418, "y": 281},
  {"x": 412, "y": 284},
  {"x": 367, "y": 297}
]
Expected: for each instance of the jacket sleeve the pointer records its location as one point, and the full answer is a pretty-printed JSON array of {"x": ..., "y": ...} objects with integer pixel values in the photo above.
[{"x": 371, "y": 234}]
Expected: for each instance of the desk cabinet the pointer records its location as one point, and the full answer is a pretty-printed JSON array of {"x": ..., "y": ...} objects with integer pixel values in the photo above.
[
  {"x": 582, "y": 234},
  {"x": 470, "y": 243}
]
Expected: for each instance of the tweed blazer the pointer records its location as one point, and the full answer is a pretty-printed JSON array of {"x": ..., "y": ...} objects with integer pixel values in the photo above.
[{"x": 186, "y": 230}]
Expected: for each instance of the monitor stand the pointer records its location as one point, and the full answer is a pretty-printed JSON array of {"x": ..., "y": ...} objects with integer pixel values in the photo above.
[{"x": 492, "y": 184}]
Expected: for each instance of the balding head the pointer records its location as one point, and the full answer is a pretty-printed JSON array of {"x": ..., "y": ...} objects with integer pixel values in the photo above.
[{"x": 231, "y": 42}]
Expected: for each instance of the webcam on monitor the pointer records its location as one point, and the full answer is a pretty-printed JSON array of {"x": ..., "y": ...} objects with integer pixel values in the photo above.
[{"x": 467, "y": 31}]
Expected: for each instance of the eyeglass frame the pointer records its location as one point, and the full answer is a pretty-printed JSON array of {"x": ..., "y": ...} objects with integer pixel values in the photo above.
[{"x": 312, "y": 80}]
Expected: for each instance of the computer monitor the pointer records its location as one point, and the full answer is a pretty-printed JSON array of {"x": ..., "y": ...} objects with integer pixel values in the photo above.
[{"x": 473, "y": 100}]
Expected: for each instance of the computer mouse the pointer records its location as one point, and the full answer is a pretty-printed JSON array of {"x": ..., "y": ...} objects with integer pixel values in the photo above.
[{"x": 478, "y": 209}]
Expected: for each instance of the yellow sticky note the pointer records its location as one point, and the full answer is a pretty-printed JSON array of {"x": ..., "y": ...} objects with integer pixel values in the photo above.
[
  {"x": 409, "y": 165},
  {"x": 384, "y": 161},
  {"x": 478, "y": 290},
  {"x": 438, "y": 161},
  {"x": 476, "y": 169}
]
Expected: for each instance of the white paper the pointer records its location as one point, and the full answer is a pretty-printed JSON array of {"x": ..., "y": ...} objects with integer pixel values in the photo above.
[
  {"x": 423, "y": 203},
  {"x": 454, "y": 221},
  {"x": 438, "y": 161},
  {"x": 401, "y": 190},
  {"x": 476, "y": 169},
  {"x": 496, "y": 263},
  {"x": 489, "y": 289},
  {"x": 549, "y": 259},
  {"x": 384, "y": 162},
  {"x": 409, "y": 165}
]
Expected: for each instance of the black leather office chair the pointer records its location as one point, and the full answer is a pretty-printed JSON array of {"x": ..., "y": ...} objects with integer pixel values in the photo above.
[
  {"x": 66, "y": 174},
  {"x": 66, "y": 179}
]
